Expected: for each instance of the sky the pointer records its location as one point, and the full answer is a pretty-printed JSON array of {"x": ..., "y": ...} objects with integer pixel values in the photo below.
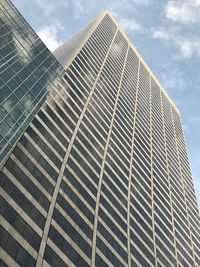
[{"x": 165, "y": 32}]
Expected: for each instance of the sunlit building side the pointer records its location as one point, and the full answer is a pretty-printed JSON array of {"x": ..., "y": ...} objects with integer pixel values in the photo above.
[{"x": 100, "y": 175}]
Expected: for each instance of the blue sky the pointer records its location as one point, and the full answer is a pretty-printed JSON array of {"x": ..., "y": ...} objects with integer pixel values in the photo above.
[{"x": 165, "y": 32}]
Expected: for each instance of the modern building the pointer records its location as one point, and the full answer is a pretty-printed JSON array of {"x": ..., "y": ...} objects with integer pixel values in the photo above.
[
  {"x": 100, "y": 176},
  {"x": 28, "y": 72}
]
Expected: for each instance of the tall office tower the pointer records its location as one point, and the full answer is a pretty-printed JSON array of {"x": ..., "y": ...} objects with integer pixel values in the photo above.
[
  {"x": 101, "y": 176},
  {"x": 28, "y": 73}
]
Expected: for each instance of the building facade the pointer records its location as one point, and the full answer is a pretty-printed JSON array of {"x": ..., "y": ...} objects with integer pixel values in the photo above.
[
  {"x": 100, "y": 176},
  {"x": 28, "y": 73}
]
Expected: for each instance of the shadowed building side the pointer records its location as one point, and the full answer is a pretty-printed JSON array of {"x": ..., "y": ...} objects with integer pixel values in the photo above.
[{"x": 29, "y": 72}]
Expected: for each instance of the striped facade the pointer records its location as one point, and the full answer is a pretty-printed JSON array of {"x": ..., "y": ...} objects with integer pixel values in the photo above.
[
  {"x": 28, "y": 72},
  {"x": 101, "y": 175}
]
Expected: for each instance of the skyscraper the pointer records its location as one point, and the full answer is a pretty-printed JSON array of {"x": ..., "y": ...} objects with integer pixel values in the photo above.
[
  {"x": 28, "y": 73},
  {"x": 100, "y": 176}
]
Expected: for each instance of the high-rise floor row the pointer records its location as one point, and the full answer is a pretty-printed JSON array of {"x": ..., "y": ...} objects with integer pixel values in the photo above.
[{"x": 100, "y": 175}]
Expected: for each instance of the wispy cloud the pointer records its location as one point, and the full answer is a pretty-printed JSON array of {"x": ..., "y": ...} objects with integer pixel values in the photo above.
[
  {"x": 79, "y": 9},
  {"x": 161, "y": 34},
  {"x": 183, "y": 11},
  {"x": 141, "y": 2},
  {"x": 173, "y": 78},
  {"x": 125, "y": 6},
  {"x": 182, "y": 14},
  {"x": 49, "y": 34},
  {"x": 48, "y": 6},
  {"x": 188, "y": 46},
  {"x": 130, "y": 25}
]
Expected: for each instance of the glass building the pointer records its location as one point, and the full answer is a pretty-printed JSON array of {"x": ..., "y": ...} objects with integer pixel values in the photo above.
[
  {"x": 100, "y": 176},
  {"x": 28, "y": 72}
]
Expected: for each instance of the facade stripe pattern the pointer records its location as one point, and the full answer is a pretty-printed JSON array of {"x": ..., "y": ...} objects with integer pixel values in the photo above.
[
  {"x": 130, "y": 172},
  {"x": 103, "y": 165},
  {"x": 60, "y": 177},
  {"x": 100, "y": 175}
]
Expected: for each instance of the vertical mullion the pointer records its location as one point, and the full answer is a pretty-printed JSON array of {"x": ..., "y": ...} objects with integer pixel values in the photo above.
[
  {"x": 152, "y": 177},
  {"x": 169, "y": 179},
  {"x": 131, "y": 166},
  {"x": 103, "y": 165},
  {"x": 182, "y": 182},
  {"x": 60, "y": 176}
]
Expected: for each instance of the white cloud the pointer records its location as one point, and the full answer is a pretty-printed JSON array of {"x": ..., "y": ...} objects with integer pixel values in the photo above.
[
  {"x": 161, "y": 34},
  {"x": 48, "y": 6},
  {"x": 138, "y": 2},
  {"x": 173, "y": 78},
  {"x": 79, "y": 9},
  {"x": 49, "y": 35},
  {"x": 130, "y": 25},
  {"x": 184, "y": 11},
  {"x": 141, "y": 2},
  {"x": 125, "y": 6},
  {"x": 188, "y": 46}
]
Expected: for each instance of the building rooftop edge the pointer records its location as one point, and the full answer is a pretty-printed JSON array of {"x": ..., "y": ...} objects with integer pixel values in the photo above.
[
  {"x": 69, "y": 60},
  {"x": 140, "y": 57},
  {"x": 90, "y": 31}
]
